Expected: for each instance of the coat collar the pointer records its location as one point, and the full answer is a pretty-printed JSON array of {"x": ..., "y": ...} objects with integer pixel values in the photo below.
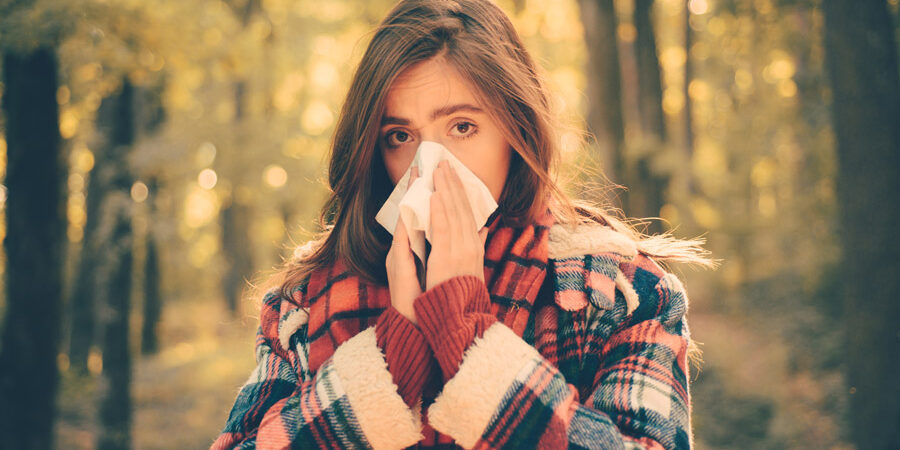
[{"x": 585, "y": 260}]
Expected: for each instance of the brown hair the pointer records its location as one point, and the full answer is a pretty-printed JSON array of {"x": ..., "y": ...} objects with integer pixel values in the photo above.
[{"x": 478, "y": 38}]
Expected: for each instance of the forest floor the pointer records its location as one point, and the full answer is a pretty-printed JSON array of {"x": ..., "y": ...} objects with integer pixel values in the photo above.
[{"x": 183, "y": 394}]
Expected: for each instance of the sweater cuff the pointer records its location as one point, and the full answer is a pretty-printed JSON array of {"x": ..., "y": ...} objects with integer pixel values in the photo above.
[
  {"x": 451, "y": 315},
  {"x": 406, "y": 352}
]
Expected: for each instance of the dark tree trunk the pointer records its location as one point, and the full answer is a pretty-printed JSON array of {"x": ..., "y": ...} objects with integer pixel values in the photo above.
[
  {"x": 687, "y": 115},
  {"x": 150, "y": 115},
  {"x": 235, "y": 239},
  {"x": 35, "y": 214},
  {"x": 605, "y": 120},
  {"x": 116, "y": 114},
  {"x": 861, "y": 58},
  {"x": 237, "y": 213},
  {"x": 646, "y": 186},
  {"x": 152, "y": 297}
]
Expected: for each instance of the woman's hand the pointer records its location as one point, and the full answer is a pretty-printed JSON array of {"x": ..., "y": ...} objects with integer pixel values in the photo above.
[
  {"x": 456, "y": 248},
  {"x": 403, "y": 281}
]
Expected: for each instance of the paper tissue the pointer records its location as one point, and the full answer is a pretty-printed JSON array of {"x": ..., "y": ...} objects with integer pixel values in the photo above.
[{"x": 414, "y": 204}]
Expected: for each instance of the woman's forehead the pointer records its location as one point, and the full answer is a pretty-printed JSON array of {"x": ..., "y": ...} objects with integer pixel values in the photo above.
[{"x": 426, "y": 86}]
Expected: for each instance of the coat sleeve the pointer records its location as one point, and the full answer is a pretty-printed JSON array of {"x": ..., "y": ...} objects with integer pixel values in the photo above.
[
  {"x": 351, "y": 401},
  {"x": 505, "y": 394}
]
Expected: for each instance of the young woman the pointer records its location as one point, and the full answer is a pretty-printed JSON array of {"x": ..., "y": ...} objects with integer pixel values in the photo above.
[{"x": 553, "y": 325}]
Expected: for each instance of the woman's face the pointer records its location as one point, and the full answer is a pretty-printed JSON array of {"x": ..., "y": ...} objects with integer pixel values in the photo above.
[{"x": 431, "y": 101}]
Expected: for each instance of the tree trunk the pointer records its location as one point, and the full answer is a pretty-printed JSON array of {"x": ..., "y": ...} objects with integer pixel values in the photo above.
[
  {"x": 647, "y": 187},
  {"x": 35, "y": 215},
  {"x": 238, "y": 257},
  {"x": 114, "y": 271},
  {"x": 152, "y": 297},
  {"x": 150, "y": 115},
  {"x": 687, "y": 114},
  {"x": 603, "y": 83},
  {"x": 237, "y": 213},
  {"x": 861, "y": 58}
]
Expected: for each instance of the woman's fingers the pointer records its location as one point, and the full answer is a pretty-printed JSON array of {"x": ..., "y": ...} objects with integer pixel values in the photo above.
[
  {"x": 445, "y": 227},
  {"x": 401, "y": 239},
  {"x": 460, "y": 197}
]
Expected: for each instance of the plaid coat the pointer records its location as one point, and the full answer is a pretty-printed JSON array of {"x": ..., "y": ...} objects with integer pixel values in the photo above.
[{"x": 588, "y": 350}]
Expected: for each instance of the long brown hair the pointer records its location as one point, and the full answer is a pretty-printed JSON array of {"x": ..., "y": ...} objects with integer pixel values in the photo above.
[{"x": 478, "y": 38}]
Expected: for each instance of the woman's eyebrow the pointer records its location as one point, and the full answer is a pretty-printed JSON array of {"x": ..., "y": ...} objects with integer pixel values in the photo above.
[{"x": 442, "y": 111}]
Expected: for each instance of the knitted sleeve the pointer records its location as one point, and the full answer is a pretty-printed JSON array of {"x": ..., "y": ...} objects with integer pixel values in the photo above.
[
  {"x": 505, "y": 394},
  {"x": 351, "y": 400}
]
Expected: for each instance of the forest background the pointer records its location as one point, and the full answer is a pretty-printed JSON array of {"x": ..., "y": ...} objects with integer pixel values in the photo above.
[{"x": 158, "y": 158}]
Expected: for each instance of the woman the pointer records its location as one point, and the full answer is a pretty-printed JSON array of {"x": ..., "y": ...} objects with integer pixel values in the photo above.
[{"x": 550, "y": 326}]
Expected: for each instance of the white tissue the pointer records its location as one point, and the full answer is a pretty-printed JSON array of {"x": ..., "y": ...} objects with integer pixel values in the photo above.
[{"x": 414, "y": 204}]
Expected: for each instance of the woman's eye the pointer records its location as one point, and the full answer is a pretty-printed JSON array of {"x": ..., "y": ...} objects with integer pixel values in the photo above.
[
  {"x": 463, "y": 128},
  {"x": 397, "y": 137}
]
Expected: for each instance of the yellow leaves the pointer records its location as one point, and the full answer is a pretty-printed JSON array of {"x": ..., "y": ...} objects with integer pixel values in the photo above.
[
  {"x": 206, "y": 154},
  {"x": 763, "y": 172},
  {"x": 780, "y": 72},
  {"x": 200, "y": 207},
  {"x": 87, "y": 72},
  {"x": 285, "y": 95},
  {"x": 743, "y": 80},
  {"x": 669, "y": 213},
  {"x": 151, "y": 61},
  {"x": 207, "y": 179},
  {"x": 63, "y": 94},
  {"x": 272, "y": 228},
  {"x": 95, "y": 361},
  {"x": 139, "y": 192},
  {"x": 203, "y": 249},
  {"x": 68, "y": 123},
  {"x": 710, "y": 165},
  {"x": 626, "y": 32},
  {"x": 317, "y": 117},
  {"x": 323, "y": 75},
  {"x": 787, "y": 88},
  {"x": 705, "y": 214},
  {"x": 698, "y": 6},
  {"x": 82, "y": 159},
  {"x": 299, "y": 146},
  {"x": 716, "y": 26},
  {"x": 766, "y": 203},
  {"x": 561, "y": 22},
  {"x": 699, "y": 90},
  {"x": 781, "y": 67},
  {"x": 673, "y": 101},
  {"x": 275, "y": 176},
  {"x": 212, "y": 37},
  {"x": 672, "y": 58}
]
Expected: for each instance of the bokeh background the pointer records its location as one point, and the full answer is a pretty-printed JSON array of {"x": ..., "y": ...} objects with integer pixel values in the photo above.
[{"x": 185, "y": 148}]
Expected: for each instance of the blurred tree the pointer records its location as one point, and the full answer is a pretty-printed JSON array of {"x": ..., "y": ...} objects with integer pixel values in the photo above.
[
  {"x": 687, "y": 182},
  {"x": 861, "y": 57},
  {"x": 150, "y": 112},
  {"x": 604, "y": 117},
  {"x": 153, "y": 302},
  {"x": 115, "y": 122},
  {"x": 646, "y": 184},
  {"x": 34, "y": 250},
  {"x": 237, "y": 212}
]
